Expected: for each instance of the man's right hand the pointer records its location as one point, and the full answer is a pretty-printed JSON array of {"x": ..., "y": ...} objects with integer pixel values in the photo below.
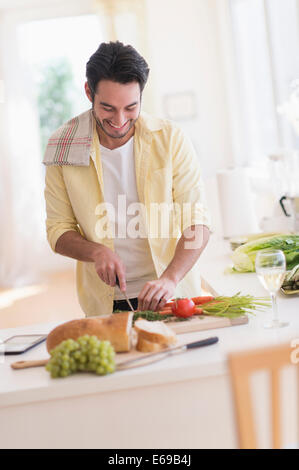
[{"x": 108, "y": 265}]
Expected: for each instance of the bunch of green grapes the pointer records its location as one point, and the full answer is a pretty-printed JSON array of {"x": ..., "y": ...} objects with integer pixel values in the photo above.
[{"x": 87, "y": 353}]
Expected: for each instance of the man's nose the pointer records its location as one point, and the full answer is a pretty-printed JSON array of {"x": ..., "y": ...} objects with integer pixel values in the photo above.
[{"x": 119, "y": 119}]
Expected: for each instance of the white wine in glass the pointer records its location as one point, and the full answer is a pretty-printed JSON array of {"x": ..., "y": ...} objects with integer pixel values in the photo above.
[{"x": 270, "y": 266}]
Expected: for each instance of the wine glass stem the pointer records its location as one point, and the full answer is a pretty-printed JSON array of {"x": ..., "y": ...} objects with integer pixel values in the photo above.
[{"x": 274, "y": 307}]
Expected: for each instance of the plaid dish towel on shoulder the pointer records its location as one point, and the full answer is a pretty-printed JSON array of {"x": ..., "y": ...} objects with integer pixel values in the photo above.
[{"x": 71, "y": 143}]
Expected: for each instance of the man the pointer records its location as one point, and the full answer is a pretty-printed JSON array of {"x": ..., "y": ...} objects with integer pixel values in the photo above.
[{"x": 103, "y": 164}]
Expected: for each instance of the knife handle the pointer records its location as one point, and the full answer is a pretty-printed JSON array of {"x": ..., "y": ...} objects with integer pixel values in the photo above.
[{"x": 203, "y": 342}]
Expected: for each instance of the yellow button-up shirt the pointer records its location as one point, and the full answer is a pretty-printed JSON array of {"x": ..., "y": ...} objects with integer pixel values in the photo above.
[{"x": 167, "y": 173}]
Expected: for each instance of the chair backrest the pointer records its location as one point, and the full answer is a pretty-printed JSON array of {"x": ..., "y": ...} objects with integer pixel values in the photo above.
[{"x": 241, "y": 366}]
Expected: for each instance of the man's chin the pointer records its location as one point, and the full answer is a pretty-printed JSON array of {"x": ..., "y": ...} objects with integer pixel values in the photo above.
[{"x": 115, "y": 134}]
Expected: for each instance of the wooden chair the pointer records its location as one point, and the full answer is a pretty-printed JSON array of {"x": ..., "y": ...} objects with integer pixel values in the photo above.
[{"x": 241, "y": 366}]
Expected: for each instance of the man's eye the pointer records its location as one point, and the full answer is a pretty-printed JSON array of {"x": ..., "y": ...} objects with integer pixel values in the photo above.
[{"x": 130, "y": 108}]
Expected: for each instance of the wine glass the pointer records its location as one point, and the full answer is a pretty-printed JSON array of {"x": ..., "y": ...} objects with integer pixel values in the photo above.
[{"x": 270, "y": 266}]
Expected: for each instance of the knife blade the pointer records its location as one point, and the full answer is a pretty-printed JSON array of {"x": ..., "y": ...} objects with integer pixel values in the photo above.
[
  {"x": 125, "y": 295},
  {"x": 157, "y": 356}
]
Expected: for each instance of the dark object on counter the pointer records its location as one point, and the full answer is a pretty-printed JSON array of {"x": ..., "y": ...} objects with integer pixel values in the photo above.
[{"x": 291, "y": 281}]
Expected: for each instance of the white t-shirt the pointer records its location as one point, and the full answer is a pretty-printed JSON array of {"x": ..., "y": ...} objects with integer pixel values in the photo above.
[{"x": 120, "y": 191}]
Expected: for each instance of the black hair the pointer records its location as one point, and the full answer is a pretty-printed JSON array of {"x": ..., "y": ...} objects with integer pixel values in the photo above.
[{"x": 116, "y": 62}]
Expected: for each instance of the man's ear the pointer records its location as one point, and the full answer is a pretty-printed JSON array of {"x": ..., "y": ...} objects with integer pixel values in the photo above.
[{"x": 88, "y": 92}]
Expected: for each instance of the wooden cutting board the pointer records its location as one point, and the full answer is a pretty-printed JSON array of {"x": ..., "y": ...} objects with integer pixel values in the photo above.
[{"x": 206, "y": 322}]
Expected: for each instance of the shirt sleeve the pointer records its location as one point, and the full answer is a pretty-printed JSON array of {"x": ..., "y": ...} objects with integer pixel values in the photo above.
[
  {"x": 60, "y": 215},
  {"x": 188, "y": 188}
]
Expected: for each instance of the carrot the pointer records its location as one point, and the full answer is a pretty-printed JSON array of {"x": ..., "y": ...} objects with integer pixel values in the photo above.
[
  {"x": 202, "y": 299},
  {"x": 165, "y": 311},
  {"x": 198, "y": 311}
]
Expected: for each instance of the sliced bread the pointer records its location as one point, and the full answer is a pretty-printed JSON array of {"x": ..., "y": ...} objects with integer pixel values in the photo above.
[
  {"x": 144, "y": 345},
  {"x": 155, "y": 332}
]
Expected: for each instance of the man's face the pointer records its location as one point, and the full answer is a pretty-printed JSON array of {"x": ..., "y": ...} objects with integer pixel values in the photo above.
[{"x": 116, "y": 107}]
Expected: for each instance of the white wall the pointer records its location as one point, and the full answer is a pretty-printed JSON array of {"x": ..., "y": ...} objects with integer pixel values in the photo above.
[{"x": 186, "y": 56}]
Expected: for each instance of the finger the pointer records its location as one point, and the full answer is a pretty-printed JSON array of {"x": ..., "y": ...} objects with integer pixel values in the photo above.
[
  {"x": 121, "y": 276},
  {"x": 148, "y": 299},
  {"x": 141, "y": 296},
  {"x": 162, "y": 303},
  {"x": 111, "y": 277},
  {"x": 104, "y": 277},
  {"x": 155, "y": 300}
]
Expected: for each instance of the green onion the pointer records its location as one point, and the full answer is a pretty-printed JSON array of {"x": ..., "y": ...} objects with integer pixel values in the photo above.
[{"x": 235, "y": 306}]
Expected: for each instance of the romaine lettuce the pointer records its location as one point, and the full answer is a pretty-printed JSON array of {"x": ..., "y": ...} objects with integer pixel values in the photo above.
[{"x": 244, "y": 256}]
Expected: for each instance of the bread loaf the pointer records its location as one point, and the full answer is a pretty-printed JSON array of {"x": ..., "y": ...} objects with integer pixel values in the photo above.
[
  {"x": 155, "y": 332},
  {"x": 115, "y": 328}
]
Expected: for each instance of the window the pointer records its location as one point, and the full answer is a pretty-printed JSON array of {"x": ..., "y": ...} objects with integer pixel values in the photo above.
[
  {"x": 265, "y": 51},
  {"x": 55, "y": 66}
]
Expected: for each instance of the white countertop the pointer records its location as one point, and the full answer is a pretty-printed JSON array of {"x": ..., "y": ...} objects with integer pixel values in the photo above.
[{"x": 35, "y": 384}]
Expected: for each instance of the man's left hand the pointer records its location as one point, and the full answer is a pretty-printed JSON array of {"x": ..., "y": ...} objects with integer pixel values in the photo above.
[{"x": 155, "y": 294}]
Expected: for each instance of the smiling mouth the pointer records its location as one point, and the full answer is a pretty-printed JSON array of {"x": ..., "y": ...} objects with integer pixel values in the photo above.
[{"x": 117, "y": 127}]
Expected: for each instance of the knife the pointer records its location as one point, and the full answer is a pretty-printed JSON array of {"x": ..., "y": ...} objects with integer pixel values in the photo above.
[
  {"x": 163, "y": 354},
  {"x": 125, "y": 294}
]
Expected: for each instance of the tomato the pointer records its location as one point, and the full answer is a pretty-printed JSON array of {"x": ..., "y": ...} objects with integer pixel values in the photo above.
[{"x": 183, "y": 308}]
